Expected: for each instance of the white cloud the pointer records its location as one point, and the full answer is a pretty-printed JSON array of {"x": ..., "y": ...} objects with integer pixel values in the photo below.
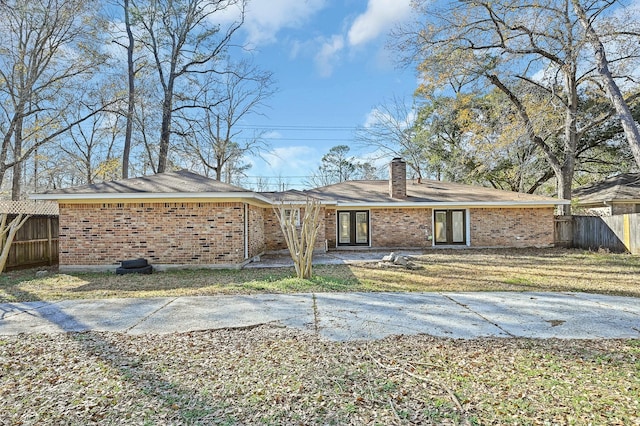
[
  {"x": 329, "y": 55},
  {"x": 265, "y": 18},
  {"x": 396, "y": 114},
  {"x": 373, "y": 118},
  {"x": 374, "y": 22},
  {"x": 291, "y": 159},
  {"x": 379, "y": 17}
]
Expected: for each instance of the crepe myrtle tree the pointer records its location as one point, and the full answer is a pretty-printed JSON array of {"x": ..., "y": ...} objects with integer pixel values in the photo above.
[
  {"x": 8, "y": 230},
  {"x": 300, "y": 225}
]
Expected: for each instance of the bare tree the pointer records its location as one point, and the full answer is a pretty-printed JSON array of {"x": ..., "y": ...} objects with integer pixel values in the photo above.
[
  {"x": 185, "y": 44},
  {"x": 131, "y": 100},
  {"x": 629, "y": 126},
  {"x": 215, "y": 137},
  {"x": 507, "y": 44},
  {"x": 47, "y": 58},
  {"x": 92, "y": 146},
  {"x": 392, "y": 133},
  {"x": 146, "y": 125},
  {"x": 337, "y": 166},
  {"x": 300, "y": 232}
]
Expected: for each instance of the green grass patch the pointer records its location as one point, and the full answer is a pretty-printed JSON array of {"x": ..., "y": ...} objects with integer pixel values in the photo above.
[{"x": 439, "y": 271}]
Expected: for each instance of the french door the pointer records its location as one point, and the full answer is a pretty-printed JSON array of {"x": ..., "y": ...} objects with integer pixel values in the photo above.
[
  {"x": 450, "y": 226},
  {"x": 353, "y": 228}
]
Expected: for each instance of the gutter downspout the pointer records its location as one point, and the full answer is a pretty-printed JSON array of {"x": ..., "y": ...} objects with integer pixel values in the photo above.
[{"x": 246, "y": 231}]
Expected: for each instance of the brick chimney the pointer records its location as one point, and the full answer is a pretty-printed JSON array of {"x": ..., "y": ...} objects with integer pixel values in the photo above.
[{"x": 398, "y": 178}]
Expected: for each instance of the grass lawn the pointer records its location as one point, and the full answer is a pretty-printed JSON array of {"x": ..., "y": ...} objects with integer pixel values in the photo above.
[
  {"x": 450, "y": 270},
  {"x": 273, "y": 376}
]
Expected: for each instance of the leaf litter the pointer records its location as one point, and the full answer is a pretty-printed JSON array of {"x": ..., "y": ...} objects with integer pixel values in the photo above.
[{"x": 273, "y": 375}]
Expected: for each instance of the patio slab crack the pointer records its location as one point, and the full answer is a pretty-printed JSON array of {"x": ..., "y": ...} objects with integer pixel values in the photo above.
[
  {"x": 479, "y": 315},
  {"x": 149, "y": 315}
]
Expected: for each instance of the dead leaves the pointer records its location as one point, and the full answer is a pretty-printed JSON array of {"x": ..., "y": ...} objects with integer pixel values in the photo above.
[{"x": 271, "y": 375}]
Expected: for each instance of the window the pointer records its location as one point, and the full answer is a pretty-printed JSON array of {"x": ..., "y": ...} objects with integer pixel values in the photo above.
[
  {"x": 450, "y": 226},
  {"x": 296, "y": 216}
]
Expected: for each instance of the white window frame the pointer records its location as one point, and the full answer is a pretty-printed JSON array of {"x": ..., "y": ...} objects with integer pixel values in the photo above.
[{"x": 296, "y": 215}]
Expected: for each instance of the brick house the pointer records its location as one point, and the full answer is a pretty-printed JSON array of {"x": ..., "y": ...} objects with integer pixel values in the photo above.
[
  {"x": 616, "y": 195},
  {"x": 182, "y": 219}
]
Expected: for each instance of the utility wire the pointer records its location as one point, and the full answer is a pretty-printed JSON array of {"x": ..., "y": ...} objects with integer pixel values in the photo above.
[{"x": 303, "y": 128}]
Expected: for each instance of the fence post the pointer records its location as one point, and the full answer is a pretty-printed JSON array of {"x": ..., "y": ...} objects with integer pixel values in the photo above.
[
  {"x": 626, "y": 232},
  {"x": 49, "y": 242}
]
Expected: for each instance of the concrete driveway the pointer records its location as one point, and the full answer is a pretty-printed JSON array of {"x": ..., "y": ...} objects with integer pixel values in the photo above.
[{"x": 344, "y": 316}]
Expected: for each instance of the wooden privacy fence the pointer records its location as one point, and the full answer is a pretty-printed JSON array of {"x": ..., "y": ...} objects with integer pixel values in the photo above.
[
  {"x": 618, "y": 233},
  {"x": 36, "y": 243}
]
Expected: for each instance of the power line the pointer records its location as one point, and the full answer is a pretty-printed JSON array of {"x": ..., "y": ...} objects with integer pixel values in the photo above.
[
  {"x": 302, "y": 139},
  {"x": 278, "y": 177},
  {"x": 303, "y": 128}
]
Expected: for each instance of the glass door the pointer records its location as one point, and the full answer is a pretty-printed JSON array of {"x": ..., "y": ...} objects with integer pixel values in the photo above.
[
  {"x": 362, "y": 228},
  {"x": 353, "y": 228},
  {"x": 344, "y": 228},
  {"x": 450, "y": 226},
  {"x": 441, "y": 227}
]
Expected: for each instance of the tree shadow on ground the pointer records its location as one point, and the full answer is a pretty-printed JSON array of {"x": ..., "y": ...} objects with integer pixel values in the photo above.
[
  {"x": 181, "y": 403},
  {"x": 24, "y": 287}
]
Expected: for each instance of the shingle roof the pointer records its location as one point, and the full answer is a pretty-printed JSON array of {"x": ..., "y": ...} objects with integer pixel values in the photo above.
[
  {"x": 428, "y": 191},
  {"x": 291, "y": 195},
  {"x": 625, "y": 186},
  {"x": 182, "y": 181},
  {"x": 365, "y": 192}
]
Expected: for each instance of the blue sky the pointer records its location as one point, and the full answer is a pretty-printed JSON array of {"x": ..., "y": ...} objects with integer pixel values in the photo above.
[{"x": 332, "y": 66}]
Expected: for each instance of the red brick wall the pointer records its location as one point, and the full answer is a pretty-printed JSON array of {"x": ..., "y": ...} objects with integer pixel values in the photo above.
[
  {"x": 274, "y": 239},
  {"x": 256, "y": 231},
  {"x": 164, "y": 233},
  {"x": 400, "y": 227},
  {"x": 511, "y": 227},
  {"x": 330, "y": 227},
  {"x": 410, "y": 228}
]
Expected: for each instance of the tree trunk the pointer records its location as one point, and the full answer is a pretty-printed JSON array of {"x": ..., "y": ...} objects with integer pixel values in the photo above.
[
  {"x": 16, "y": 184},
  {"x": 564, "y": 170},
  {"x": 565, "y": 177},
  {"x": 300, "y": 238},
  {"x": 7, "y": 234},
  {"x": 131, "y": 103},
  {"x": 564, "y": 185},
  {"x": 626, "y": 118},
  {"x": 219, "y": 155},
  {"x": 165, "y": 132},
  {"x": 87, "y": 165}
]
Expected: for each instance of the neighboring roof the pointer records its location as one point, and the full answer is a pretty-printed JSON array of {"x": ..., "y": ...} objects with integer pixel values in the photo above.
[
  {"x": 182, "y": 183},
  {"x": 623, "y": 187},
  {"x": 426, "y": 192}
]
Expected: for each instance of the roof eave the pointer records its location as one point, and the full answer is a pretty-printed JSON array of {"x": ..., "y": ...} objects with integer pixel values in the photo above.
[
  {"x": 150, "y": 196},
  {"x": 607, "y": 202},
  {"x": 541, "y": 203},
  {"x": 259, "y": 197}
]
